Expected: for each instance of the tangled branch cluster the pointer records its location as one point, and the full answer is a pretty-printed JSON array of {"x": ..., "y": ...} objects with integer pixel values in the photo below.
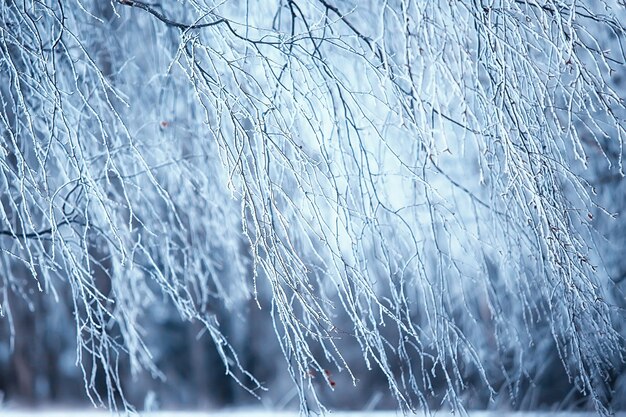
[{"x": 401, "y": 176}]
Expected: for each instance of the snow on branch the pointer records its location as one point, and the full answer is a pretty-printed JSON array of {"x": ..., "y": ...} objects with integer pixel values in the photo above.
[{"x": 406, "y": 180}]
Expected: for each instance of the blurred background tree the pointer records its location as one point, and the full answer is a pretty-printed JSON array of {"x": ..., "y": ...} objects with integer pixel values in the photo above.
[{"x": 346, "y": 204}]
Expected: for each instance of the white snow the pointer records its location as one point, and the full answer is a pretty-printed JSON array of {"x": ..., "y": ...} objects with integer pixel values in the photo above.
[{"x": 262, "y": 413}]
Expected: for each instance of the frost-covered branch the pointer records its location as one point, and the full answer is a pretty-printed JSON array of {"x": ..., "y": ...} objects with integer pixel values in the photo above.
[{"x": 405, "y": 180}]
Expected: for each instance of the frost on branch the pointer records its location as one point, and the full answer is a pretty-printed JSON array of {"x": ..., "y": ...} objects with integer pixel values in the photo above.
[{"x": 412, "y": 181}]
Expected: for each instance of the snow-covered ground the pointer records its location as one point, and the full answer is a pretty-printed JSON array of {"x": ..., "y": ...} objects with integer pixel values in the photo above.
[{"x": 257, "y": 413}]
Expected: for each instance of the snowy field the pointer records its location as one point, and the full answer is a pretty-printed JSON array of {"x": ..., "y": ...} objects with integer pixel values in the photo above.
[{"x": 256, "y": 413}]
